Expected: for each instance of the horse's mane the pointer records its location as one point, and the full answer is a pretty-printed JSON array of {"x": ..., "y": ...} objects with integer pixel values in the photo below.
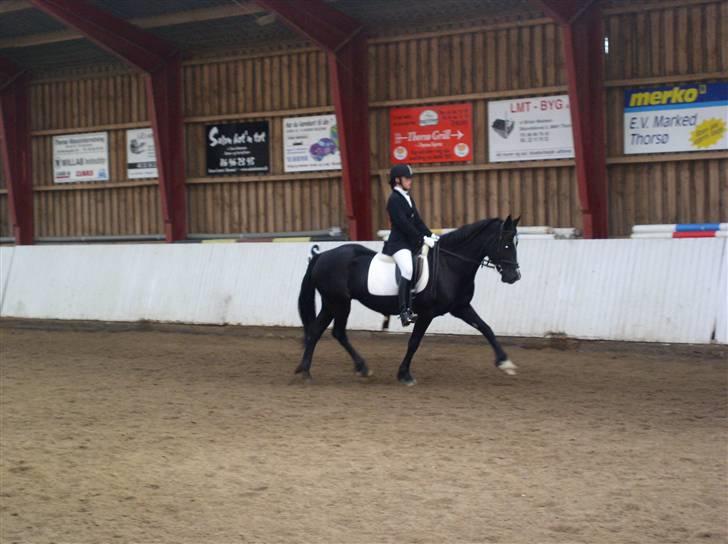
[{"x": 465, "y": 233}]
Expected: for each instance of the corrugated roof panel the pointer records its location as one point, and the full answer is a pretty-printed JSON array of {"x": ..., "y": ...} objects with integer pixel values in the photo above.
[
  {"x": 406, "y": 15},
  {"x": 232, "y": 32},
  {"x": 59, "y": 55},
  {"x": 133, "y": 9},
  {"x": 27, "y": 21}
]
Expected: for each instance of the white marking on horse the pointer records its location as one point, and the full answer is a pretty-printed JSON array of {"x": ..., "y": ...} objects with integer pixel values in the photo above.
[{"x": 508, "y": 367}]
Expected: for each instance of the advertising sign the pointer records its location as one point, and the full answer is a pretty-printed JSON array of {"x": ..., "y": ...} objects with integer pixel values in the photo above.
[
  {"x": 431, "y": 134},
  {"x": 81, "y": 157},
  {"x": 688, "y": 117},
  {"x": 141, "y": 159},
  {"x": 237, "y": 147},
  {"x": 530, "y": 129},
  {"x": 311, "y": 143}
]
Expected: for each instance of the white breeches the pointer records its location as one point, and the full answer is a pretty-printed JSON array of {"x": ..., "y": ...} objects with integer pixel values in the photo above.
[{"x": 403, "y": 258}]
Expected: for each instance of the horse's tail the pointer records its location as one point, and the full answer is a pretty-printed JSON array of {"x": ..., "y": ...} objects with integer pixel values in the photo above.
[{"x": 307, "y": 296}]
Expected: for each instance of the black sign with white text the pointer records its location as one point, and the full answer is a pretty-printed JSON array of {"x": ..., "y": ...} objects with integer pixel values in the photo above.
[{"x": 237, "y": 147}]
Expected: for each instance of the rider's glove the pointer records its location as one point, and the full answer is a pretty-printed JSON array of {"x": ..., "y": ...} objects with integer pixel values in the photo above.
[
  {"x": 430, "y": 241},
  {"x": 434, "y": 237}
]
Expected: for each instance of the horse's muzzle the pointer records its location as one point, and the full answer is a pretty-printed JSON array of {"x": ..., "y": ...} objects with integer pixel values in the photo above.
[{"x": 511, "y": 276}]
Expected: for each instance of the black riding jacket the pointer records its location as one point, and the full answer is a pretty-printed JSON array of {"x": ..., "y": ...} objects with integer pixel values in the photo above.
[{"x": 408, "y": 229}]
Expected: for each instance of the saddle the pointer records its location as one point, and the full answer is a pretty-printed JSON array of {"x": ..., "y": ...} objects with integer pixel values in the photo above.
[{"x": 383, "y": 277}]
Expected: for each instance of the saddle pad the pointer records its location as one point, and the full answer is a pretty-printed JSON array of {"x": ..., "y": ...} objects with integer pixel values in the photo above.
[{"x": 380, "y": 280}]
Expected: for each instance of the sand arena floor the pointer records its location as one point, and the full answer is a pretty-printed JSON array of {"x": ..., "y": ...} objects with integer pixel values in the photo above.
[{"x": 201, "y": 435}]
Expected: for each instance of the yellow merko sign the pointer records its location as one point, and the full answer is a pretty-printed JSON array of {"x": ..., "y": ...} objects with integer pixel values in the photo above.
[{"x": 676, "y": 95}]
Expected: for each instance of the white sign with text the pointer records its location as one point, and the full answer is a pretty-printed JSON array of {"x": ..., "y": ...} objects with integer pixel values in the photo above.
[
  {"x": 530, "y": 129},
  {"x": 141, "y": 158},
  {"x": 311, "y": 143},
  {"x": 81, "y": 157}
]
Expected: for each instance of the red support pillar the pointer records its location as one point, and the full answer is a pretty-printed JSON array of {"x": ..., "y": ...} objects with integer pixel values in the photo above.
[
  {"x": 15, "y": 148},
  {"x": 348, "y": 67},
  {"x": 164, "y": 97},
  {"x": 583, "y": 37},
  {"x": 346, "y": 45},
  {"x": 161, "y": 63}
]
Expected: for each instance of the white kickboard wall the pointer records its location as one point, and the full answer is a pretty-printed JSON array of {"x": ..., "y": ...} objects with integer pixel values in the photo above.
[{"x": 641, "y": 290}]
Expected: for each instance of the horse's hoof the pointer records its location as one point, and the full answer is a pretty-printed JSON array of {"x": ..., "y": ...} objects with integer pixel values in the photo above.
[
  {"x": 364, "y": 373},
  {"x": 508, "y": 367},
  {"x": 409, "y": 382}
]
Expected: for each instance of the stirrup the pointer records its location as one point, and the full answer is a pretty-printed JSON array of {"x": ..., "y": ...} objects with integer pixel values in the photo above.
[{"x": 407, "y": 317}]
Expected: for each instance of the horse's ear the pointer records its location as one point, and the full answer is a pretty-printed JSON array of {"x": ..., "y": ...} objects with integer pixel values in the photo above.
[
  {"x": 508, "y": 222},
  {"x": 515, "y": 222}
]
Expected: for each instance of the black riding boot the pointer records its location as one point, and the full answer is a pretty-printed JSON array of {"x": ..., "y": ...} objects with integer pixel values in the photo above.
[{"x": 405, "y": 302}]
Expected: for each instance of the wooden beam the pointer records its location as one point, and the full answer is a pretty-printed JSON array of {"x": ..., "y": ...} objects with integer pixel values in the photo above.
[
  {"x": 157, "y": 21},
  {"x": 9, "y": 6},
  {"x": 663, "y": 4}
]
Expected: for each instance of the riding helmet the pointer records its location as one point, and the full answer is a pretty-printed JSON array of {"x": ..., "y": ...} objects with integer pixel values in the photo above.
[{"x": 399, "y": 171}]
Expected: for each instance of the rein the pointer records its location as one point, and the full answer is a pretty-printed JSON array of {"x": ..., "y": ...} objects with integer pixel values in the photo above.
[{"x": 461, "y": 257}]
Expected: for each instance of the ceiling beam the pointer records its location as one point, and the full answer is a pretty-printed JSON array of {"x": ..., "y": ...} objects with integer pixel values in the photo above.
[
  {"x": 157, "y": 21},
  {"x": 9, "y": 6}
]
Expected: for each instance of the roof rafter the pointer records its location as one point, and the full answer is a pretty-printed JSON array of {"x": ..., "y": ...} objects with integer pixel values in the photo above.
[{"x": 9, "y": 6}]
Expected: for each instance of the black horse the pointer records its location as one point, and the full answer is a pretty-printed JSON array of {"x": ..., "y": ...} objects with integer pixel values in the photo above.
[{"x": 340, "y": 275}]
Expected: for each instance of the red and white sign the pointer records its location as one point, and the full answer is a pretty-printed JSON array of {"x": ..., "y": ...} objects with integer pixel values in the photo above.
[{"x": 431, "y": 134}]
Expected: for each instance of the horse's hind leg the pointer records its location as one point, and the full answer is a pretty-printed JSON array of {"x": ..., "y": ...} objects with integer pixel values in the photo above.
[
  {"x": 341, "y": 316},
  {"x": 314, "y": 332}
]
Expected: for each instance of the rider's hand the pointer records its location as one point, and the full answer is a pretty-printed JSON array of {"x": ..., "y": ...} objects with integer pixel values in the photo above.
[
  {"x": 434, "y": 237},
  {"x": 429, "y": 241}
]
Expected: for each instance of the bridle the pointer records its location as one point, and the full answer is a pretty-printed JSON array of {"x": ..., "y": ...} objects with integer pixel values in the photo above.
[{"x": 486, "y": 262}]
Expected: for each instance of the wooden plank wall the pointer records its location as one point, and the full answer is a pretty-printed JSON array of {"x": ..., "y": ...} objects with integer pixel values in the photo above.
[
  {"x": 258, "y": 87},
  {"x": 119, "y": 207},
  {"x": 506, "y": 59},
  {"x": 502, "y": 60},
  {"x": 660, "y": 44}
]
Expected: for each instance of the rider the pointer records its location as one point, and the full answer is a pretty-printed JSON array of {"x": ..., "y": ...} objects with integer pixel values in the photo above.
[{"x": 407, "y": 235}]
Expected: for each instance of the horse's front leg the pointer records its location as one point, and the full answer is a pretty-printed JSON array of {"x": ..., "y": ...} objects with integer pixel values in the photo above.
[
  {"x": 421, "y": 325},
  {"x": 471, "y": 317}
]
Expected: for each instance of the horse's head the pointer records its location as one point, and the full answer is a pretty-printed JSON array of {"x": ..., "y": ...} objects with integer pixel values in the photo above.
[{"x": 505, "y": 258}]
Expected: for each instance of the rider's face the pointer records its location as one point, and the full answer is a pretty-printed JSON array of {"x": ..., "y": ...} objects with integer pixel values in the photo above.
[{"x": 406, "y": 183}]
